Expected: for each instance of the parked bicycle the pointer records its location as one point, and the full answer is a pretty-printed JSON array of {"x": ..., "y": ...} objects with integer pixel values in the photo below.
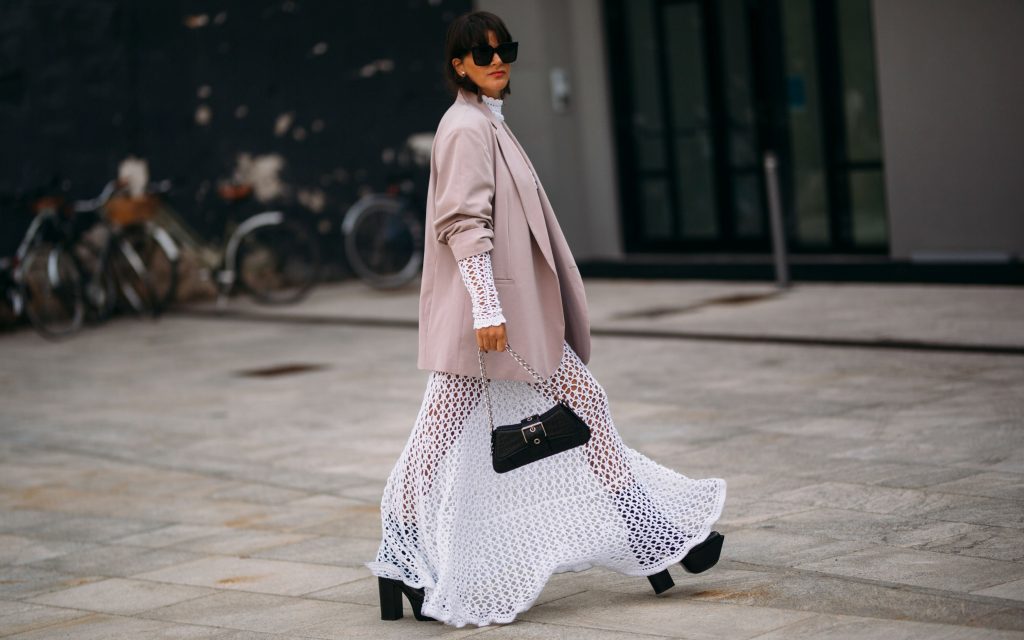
[
  {"x": 383, "y": 232},
  {"x": 272, "y": 256},
  {"x": 72, "y": 266}
]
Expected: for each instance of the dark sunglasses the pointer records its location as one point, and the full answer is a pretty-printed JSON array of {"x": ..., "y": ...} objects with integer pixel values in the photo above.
[{"x": 483, "y": 54}]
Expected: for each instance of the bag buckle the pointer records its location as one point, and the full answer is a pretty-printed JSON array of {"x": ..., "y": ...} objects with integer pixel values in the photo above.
[{"x": 533, "y": 429}]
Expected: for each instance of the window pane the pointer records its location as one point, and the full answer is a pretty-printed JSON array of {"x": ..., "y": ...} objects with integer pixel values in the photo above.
[
  {"x": 747, "y": 205},
  {"x": 648, "y": 132},
  {"x": 810, "y": 189},
  {"x": 860, "y": 97},
  {"x": 694, "y": 160},
  {"x": 737, "y": 83},
  {"x": 657, "y": 210},
  {"x": 867, "y": 202}
]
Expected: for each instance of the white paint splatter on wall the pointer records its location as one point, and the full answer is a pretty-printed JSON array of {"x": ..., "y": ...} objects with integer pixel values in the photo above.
[
  {"x": 134, "y": 173},
  {"x": 197, "y": 21},
  {"x": 203, "y": 115},
  {"x": 384, "y": 65},
  {"x": 313, "y": 199},
  {"x": 283, "y": 123},
  {"x": 263, "y": 172}
]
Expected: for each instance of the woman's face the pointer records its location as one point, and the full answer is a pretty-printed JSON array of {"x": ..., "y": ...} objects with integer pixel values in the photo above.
[{"x": 491, "y": 78}]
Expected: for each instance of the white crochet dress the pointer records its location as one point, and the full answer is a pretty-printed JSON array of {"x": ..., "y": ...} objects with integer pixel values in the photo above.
[{"x": 483, "y": 544}]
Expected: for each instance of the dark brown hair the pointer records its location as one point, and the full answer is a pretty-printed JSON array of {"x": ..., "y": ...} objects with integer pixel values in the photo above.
[{"x": 464, "y": 33}]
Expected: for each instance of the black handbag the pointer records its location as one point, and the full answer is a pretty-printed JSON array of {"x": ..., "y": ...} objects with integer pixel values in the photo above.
[{"x": 538, "y": 436}]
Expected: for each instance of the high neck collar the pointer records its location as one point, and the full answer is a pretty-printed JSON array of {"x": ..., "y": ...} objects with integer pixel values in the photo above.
[
  {"x": 494, "y": 104},
  {"x": 475, "y": 101}
]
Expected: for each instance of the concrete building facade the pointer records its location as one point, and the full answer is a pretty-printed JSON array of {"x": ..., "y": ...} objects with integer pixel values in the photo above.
[{"x": 898, "y": 126}]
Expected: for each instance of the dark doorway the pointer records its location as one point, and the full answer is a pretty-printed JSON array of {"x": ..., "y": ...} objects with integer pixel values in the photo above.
[{"x": 703, "y": 88}]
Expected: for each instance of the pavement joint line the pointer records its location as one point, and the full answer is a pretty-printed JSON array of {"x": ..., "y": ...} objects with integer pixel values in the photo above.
[
  {"x": 699, "y": 336},
  {"x": 199, "y": 470},
  {"x": 583, "y": 626},
  {"x": 898, "y": 586}
]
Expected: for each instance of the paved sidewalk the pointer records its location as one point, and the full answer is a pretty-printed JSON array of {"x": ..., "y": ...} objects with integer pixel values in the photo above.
[{"x": 202, "y": 476}]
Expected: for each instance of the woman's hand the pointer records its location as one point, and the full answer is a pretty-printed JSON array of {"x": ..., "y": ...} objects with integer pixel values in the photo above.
[{"x": 491, "y": 338}]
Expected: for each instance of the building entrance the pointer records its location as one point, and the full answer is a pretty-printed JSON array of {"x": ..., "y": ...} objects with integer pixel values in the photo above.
[{"x": 703, "y": 88}]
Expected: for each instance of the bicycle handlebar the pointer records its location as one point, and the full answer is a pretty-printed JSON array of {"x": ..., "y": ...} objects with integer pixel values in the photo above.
[{"x": 81, "y": 206}]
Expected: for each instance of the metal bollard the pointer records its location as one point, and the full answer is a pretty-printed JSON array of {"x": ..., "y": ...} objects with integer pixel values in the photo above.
[{"x": 771, "y": 179}]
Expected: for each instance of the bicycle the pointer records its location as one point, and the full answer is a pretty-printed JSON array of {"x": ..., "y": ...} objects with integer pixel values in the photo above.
[
  {"x": 113, "y": 270},
  {"x": 272, "y": 256},
  {"x": 134, "y": 216},
  {"x": 71, "y": 266},
  {"x": 383, "y": 232}
]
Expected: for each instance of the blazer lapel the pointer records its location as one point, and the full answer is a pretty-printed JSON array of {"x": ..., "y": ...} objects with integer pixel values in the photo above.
[{"x": 529, "y": 191}]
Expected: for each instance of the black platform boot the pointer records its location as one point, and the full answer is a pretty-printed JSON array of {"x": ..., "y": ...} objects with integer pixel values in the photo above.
[
  {"x": 391, "y": 599},
  {"x": 704, "y": 554},
  {"x": 391, "y": 590},
  {"x": 648, "y": 549},
  {"x": 701, "y": 557}
]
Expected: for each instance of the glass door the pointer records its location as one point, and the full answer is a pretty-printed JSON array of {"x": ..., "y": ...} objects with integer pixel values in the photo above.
[{"x": 703, "y": 88}]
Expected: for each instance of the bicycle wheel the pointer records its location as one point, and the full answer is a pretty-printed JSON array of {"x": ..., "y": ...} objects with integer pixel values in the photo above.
[
  {"x": 160, "y": 255},
  {"x": 383, "y": 241},
  {"x": 278, "y": 263},
  {"x": 51, "y": 289},
  {"x": 132, "y": 278}
]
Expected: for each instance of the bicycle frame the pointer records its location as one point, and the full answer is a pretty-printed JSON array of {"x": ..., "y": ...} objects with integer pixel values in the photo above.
[{"x": 228, "y": 275}]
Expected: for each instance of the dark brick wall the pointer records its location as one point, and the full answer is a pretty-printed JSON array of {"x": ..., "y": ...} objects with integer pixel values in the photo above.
[{"x": 189, "y": 85}]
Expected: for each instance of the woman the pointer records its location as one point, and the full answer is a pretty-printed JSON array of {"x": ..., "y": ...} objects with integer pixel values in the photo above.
[{"x": 462, "y": 542}]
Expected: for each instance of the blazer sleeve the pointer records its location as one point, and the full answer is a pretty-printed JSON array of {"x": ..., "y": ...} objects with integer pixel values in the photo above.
[{"x": 464, "y": 192}]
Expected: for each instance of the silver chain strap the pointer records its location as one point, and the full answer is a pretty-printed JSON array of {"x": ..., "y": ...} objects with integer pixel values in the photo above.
[{"x": 485, "y": 381}]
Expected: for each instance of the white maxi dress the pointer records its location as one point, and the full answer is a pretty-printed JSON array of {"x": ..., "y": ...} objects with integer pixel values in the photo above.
[{"x": 484, "y": 544}]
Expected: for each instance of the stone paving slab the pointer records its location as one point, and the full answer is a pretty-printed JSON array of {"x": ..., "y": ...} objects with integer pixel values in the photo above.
[
  {"x": 16, "y": 550},
  {"x": 250, "y": 574},
  {"x": 18, "y": 617},
  {"x": 114, "y": 560},
  {"x": 686, "y": 619},
  {"x": 1010, "y": 590},
  {"x": 919, "y": 568},
  {"x": 103, "y": 627},
  {"x": 120, "y": 596},
  {"x": 300, "y": 617},
  {"x": 849, "y": 627},
  {"x": 809, "y": 591},
  {"x": 167, "y": 494}
]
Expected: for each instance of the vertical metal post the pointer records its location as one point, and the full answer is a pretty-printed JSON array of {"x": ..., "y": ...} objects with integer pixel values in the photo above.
[{"x": 771, "y": 180}]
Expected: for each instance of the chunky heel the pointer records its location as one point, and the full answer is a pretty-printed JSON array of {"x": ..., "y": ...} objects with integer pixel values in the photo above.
[
  {"x": 391, "y": 591},
  {"x": 661, "y": 581},
  {"x": 704, "y": 555},
  {"x": 390, "y": 598}
]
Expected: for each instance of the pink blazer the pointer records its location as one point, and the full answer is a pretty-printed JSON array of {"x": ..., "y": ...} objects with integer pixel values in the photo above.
[{"x": 482, "y": 196}]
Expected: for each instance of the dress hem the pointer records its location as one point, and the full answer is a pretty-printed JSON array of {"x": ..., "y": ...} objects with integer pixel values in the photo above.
[{"x": 390, "y": 571}]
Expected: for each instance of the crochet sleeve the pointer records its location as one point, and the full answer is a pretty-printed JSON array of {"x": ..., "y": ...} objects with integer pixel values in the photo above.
[{"x": 479, "y": 280}]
